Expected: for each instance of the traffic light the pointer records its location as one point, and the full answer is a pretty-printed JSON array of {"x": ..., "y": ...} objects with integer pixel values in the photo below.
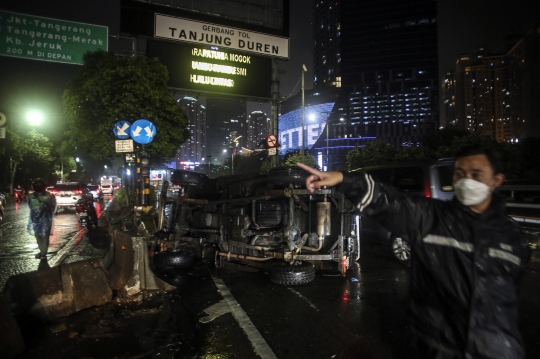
[{"x": 145, "y": 164}]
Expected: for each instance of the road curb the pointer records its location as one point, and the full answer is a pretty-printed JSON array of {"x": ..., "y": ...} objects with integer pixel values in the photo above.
[{"x": 59, "y": 291}]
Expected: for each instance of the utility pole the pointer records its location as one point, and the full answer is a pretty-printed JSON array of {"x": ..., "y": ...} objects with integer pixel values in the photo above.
[{"x": 304, "y": 70}]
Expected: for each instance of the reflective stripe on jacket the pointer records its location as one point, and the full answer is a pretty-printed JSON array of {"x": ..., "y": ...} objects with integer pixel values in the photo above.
[{"x": 464, "y": 267}]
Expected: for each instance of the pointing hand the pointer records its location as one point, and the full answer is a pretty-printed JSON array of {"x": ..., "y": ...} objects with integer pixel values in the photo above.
[{"x": 319, "y": 179}]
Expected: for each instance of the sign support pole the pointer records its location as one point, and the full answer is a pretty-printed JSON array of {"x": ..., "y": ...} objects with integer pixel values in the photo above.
[{"x": 274, "y": 111}]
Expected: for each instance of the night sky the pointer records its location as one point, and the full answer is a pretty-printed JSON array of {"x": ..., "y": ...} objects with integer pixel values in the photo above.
[{"x": 463, "y": 25}]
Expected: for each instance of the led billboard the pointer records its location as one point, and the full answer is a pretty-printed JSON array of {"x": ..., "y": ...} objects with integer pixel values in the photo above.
[
  {"x": 290, "y": 126},
  {"x": 211, "y": 69}
]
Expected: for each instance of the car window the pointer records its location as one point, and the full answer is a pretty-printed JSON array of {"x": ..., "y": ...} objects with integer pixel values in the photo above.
[
  {"x": 68, "y": 187},
  {"x": 92, "y": 187},
  {"x": 446, "y": 174},
  {"x": 409, "y": 179},
  {"x": 106, "y": 186}
]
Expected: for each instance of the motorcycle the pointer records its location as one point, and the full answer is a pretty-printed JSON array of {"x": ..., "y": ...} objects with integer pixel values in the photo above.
[
  {"x": 86, "y": 213},
  {"x": 19, "y": 195}
]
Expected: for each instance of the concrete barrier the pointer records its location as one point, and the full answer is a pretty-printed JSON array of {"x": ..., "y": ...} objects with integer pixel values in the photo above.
[
  {"x": 130, "y": 271},
  {"x": 11, "y": 341},
  {"x": 59, "y": 291}
]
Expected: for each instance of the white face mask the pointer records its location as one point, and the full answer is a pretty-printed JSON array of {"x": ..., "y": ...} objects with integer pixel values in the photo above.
[{"x": 471, "y": 192}]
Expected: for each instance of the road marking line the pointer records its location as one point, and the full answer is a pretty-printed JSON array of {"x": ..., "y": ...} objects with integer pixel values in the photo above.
[
  {"x": 64, "y": 251},
  {"x": 256, "y": 339},
  {"x": 307, "y": 300}
]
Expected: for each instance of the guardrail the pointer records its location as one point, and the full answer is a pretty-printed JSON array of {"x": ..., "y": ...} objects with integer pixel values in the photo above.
[{"x": 523, "y": 203}]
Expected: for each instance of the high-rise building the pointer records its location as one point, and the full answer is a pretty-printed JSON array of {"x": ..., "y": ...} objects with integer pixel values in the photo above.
[
  {"x": 384, "y": 55},
  {"x": 194, "y": 149},
  {"x": 225, "y": 119},
  {"x": 390, "y": 67},
  {"x": 258, "y": 129},
  {"x": 496, "y": 95},
  {"x": 326, "y": 43}
]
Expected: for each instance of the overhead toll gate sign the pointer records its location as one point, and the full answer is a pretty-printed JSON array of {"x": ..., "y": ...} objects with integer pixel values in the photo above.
[
  {"x": 212, "y": 69},
  {"x": 204, "y": 33},
  {"x": 42, "y": 38}
]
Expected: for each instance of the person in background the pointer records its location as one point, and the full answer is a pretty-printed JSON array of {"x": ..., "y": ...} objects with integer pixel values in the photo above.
[
  {"x": 42, "y": 208},
  {"x": 467, "y": 256}
]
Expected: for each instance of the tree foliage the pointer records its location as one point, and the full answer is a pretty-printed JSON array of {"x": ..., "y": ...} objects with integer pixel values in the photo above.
[
  {"x": 112, "y": 88},
  {"x": 30, "y": 152},
  {"x": 519, "y": 160},
  {"x": 307, "y": 159}
]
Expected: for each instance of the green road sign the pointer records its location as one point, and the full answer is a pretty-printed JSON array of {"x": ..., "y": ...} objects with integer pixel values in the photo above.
[{"x": 42, "y": 38}]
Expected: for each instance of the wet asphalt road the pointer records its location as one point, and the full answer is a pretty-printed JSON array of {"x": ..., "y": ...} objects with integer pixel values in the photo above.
[
  {"x": 360, "y": 316},
  {"x": 228, "y": 313},
  {"x": 18, "y": 247}
]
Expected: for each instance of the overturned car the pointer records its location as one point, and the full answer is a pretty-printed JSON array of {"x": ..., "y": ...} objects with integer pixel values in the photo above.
[{"x": 261, "y": 222}]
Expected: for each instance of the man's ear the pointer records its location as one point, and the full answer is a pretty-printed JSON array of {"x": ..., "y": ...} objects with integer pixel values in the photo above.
[{"x": 499, "y": 179}]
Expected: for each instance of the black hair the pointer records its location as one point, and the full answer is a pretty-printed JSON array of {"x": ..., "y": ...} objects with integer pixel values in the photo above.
[
  {"x": 39, "y": 180},
  {"x": 493, "y": 156}
]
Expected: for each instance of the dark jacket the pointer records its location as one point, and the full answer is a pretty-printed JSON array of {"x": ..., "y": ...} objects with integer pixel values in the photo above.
[
  {"x": 42, "y": 208},
  {"x": 464, "y": 267}
]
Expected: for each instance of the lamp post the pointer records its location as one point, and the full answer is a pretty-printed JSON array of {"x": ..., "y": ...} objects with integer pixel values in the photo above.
[
  {"x": 327, "y": 143},
  {"x": 304, "y": 70},
  {"x": 233, "y": 154}
]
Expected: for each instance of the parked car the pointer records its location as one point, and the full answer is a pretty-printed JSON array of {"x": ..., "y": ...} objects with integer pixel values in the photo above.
[
  {"x": 257, "y": 222},
  {"x": 3, "y": 199},
  {"x": 426, "y": 178},
  {"x": 96, "y": 191},
  {"x": 107, "y": 189},
  {"x": 67, "y": 194}
]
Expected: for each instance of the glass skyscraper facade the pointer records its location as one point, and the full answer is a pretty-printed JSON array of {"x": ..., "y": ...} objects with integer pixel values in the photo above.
[{"x": 383, "y": 54}]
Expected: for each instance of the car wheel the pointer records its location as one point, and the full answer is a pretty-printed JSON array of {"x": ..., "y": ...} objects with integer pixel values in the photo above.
[
  {"x": 1, "y": 216},
  {"x": 283, "y": 175},
  {"x": 401, "y": 250},
  {"x": 164, "y": 260},
  {"x": 287, "y": 274}
]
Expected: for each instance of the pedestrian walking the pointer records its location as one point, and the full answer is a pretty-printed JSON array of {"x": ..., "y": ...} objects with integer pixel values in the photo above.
[
  {"x": 42, "y": 208},
  {"x": 467, "y": 256}
]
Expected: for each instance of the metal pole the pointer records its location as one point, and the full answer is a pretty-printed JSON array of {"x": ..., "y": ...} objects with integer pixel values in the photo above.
[
  {"x": 327, "y": 137},
  {"x": 303, "y": 114},
  {"x": 274, "y": 111}
]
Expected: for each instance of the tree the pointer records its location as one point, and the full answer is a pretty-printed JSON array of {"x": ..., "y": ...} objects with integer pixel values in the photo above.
[
  {"x": 112, "y": 88},
  {"x": 306, "y": 159},
  {"x": 31, "y": 148},
  {"x": 373, "y": 153}
]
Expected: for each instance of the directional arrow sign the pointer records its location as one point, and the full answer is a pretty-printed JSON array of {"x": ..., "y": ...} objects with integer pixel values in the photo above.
[
  {"x": 143, "y": 131},
  {"x": 121, "y": 129}
]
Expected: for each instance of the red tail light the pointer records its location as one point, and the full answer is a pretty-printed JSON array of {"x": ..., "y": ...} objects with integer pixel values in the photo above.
[
  {"x": 77, "y": 191},
  {"x": 53, "y": 191},
  {"x": 427, "y": 188}
]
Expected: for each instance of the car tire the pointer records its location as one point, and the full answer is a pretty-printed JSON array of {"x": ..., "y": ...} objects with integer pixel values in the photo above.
[
  {"x": 401, "y": 250},
  {"x": 165, "y": 260},
  {"x": 286, "y": 274},
  {"x": 284, "y": 175}
]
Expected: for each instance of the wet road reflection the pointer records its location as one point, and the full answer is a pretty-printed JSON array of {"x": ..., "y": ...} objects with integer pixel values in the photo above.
[{"x": 18, "y": 247}]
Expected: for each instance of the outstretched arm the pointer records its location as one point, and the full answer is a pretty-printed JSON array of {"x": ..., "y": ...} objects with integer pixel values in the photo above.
[{"x": 319, "y": 179}]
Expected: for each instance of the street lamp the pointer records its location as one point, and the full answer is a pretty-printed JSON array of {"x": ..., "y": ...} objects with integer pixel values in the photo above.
[
  {"x": 234, "y": 153},
  {"x": 35, "y": 118},
  {"x": 304, "y": 70}
]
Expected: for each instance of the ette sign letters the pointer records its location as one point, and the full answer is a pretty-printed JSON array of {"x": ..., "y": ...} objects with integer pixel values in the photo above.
[
  {"x": 42, "y": 38},
  {"x": 179, "y": 29}
]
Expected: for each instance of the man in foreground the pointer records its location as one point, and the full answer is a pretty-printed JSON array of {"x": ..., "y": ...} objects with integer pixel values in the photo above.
[
  {"x": 467, "y": 256},
  {"x": 42, "y": 207}
]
